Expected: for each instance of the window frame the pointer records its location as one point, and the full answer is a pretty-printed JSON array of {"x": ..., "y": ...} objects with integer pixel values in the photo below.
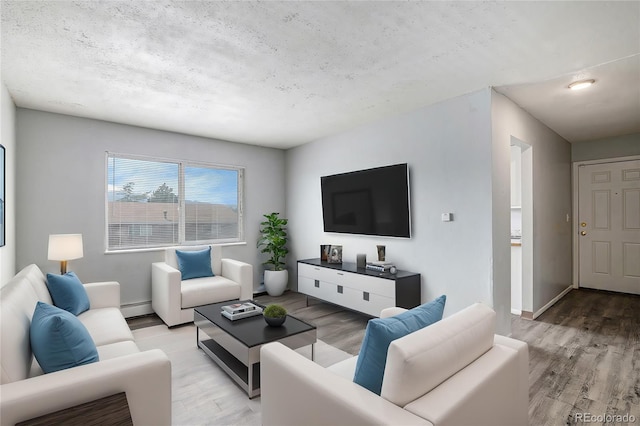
[{"x": 182, "y": 164}]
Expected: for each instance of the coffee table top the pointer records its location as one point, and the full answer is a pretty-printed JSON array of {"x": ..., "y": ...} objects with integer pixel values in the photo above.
[{"x": 252, "y": 331}]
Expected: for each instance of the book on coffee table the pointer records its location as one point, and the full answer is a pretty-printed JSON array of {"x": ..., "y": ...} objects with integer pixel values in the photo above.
[
  {"x": 241, "y": 310},
  {"x": 237, "y": 308},
  {"x": 241, "y": 315}
]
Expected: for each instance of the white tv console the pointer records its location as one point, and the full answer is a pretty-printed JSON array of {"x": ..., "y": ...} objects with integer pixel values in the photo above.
[{"x": 356, "y": 288}]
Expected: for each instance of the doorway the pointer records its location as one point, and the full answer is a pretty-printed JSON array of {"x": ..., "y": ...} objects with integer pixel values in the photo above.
[
  {"x": 521, "y": 228},
  {"x": 608, "y": 225}
]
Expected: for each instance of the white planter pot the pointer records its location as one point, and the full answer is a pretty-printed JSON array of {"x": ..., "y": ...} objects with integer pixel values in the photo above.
[{"x": 275, "y": 282}]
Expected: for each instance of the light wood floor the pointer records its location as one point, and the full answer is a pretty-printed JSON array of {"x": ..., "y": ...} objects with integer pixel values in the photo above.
[
  {"x": 584, "y": 357},
  {"x": 584, "y": 352}
]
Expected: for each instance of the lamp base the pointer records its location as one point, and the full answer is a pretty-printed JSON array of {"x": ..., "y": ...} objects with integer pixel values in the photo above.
[{"x": 63, "y": 267}]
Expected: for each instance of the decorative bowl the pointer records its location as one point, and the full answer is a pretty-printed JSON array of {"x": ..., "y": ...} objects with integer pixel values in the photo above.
[{"x": 275, "y": 322}]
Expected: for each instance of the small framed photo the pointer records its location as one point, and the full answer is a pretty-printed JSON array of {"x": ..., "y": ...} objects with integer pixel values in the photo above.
[
  {"x": 324, "y": 252},
  {"x": 335, "y": 254}
]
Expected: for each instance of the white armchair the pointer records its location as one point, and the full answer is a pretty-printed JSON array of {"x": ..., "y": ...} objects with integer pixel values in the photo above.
[
  {"x": 174, "y": 299},
  {"x": 453, "y": 372}
]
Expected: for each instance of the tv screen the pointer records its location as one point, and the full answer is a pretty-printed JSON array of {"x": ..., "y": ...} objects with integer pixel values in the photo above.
[{"x": 370, "y": 202}]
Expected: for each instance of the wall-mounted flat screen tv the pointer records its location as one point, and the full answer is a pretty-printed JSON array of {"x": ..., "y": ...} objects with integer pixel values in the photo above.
[{"x": 370, "y": 202}]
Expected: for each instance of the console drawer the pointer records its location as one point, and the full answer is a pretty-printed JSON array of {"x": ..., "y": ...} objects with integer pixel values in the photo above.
[
  {"x": 364, "y": 301},
  {"x": 380, "y": 286},
  {"x": 316, "y": 272},
  {"x": 316, "y": 288}
]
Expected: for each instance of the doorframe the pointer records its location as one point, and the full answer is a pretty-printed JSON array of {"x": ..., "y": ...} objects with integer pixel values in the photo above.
[{"x": 575, "y": 225}]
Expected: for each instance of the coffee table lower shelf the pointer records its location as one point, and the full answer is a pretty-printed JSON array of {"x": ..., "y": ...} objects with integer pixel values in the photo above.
[{"x": 233, "y": 367}]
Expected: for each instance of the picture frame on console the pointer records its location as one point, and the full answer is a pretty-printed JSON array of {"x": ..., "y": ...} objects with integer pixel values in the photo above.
[
  {"x": 324, "y": 252},
  {"x": 335, "y": 254}
]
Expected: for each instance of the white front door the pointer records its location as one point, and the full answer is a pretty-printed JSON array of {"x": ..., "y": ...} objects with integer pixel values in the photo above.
[{"x": 609, "y": 226}]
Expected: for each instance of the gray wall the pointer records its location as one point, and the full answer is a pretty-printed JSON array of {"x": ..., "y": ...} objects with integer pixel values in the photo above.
[
  {"x": 551, "y": 196},
  {"x": 621, "y": 146},
  {"x": 8, "y": 134},
  {"x": 61, "y": 189},
  {"x": 448, "y": 149}
]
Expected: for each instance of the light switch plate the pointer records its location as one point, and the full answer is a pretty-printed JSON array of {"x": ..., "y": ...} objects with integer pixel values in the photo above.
[{"x": 447, "y": 217}]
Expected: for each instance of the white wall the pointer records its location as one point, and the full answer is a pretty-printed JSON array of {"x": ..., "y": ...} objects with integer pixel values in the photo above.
[
  {"x": 448, "y": 148},
  {"x": 621, "y": 146},
  {"x": 8, "y": 135},
  {"x": 61, "y": 184},
  {"x": 551, "y": 196}
]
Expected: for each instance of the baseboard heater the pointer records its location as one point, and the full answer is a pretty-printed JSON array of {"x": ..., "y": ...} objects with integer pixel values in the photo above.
[{"x": 136, "y": 309}]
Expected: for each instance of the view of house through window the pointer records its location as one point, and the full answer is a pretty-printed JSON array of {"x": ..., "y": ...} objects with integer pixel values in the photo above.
[{"x": 155, "y": 203}]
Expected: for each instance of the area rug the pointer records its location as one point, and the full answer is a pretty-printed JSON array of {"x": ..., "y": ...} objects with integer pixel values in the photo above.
[{"x": 203, "y": 394}]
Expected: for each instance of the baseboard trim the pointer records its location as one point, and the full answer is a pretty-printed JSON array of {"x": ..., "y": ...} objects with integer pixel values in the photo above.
[
  {"x": 552, "y": 302},
  {"x": 136, "y": 309},
  {"x": 526, "y": 315},
  {"x": 517, "y": 312}
]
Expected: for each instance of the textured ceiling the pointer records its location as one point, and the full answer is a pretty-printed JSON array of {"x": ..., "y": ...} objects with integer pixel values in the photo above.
[{"x": 285, "y": 73}]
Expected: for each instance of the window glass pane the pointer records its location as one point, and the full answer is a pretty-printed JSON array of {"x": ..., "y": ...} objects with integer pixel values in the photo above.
[
  {"x": 211, "y": 204},
  {"x": 142, "y": 199},
  {"x": 144, "y": 196}
]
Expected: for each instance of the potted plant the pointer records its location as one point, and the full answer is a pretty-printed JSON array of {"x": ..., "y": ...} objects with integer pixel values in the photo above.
[
  {"x": 274, "y": 315},
  {"x": 273, "y": 238}
]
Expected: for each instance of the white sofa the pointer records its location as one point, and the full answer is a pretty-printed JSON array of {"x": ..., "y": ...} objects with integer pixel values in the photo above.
[
  {"x": 173, "y": 299},
  {"x": 454, "y": 372},
  {"x": 26, "y": 393}
]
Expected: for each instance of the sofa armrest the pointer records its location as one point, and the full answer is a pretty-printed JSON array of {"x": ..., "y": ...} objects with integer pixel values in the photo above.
[
  {"x": 295, "y": 391},
  {"x": 390, "y": 312},
  {"x": 103, "y": 294},
  {"x": 522, "y": 379},
  {"x": 240, "y": 272},
  {"x": 145, "y": 377},
  {"x": 166, "y": 298}
]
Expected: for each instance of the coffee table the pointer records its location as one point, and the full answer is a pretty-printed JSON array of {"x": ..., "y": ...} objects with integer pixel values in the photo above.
[{"x": 235, "y": 345}]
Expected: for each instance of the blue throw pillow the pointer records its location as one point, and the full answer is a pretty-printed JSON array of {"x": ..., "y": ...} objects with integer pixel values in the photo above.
[
  {"x": 59, "y": 340},
  {"x": 381, "y": 332},
  {"x": 68, "y": 293},
  {"x": 194, "y": 263}
]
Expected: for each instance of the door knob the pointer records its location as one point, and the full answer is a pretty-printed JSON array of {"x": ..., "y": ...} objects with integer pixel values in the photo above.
[{"x": 583, "y": 233}]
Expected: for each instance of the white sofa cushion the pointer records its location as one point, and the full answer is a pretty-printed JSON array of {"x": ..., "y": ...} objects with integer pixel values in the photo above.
[
  {"x": 35, "y": 277},
  {"x": 106, "y": 325},
  {"x": 18, "y": 301},
  {"x": 345, "y": 368},
  {"x": 420, "y": 361},
  {"x": 118, "y": 349},
  {"x": 199, "y": 291}
]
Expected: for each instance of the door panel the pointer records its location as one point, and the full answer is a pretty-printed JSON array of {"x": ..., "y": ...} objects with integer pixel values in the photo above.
[
  {"x": 609, "y": 226},
  {"x": 631, "y": 266}
]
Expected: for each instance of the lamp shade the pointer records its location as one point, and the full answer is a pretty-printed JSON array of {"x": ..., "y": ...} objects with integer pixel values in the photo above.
[{"x": 65, "y": 247}]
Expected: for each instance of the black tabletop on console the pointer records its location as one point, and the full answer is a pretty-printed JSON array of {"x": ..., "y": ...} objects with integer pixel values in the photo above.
[
  {"x": 352, "y": 267},
  {"x": 252, "y": 331}
]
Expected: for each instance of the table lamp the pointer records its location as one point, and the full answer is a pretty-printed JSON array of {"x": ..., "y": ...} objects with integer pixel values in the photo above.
[{"x": 64, "y": 247}]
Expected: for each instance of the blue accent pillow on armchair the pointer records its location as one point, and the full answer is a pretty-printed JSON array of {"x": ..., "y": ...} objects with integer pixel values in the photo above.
[
  {"x": 68, "y": 293},
  {"x": 194, "y": 263},
  {"x": 381, "y": 332},
  {"x": 59, "y": 340}
]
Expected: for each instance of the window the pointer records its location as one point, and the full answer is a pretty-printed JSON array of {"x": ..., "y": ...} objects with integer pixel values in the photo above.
[{"x": 156, "y": 202}]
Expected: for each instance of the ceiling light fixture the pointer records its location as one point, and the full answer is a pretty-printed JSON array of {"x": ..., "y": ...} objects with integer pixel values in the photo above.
[{"x": 582, "y": 84}]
